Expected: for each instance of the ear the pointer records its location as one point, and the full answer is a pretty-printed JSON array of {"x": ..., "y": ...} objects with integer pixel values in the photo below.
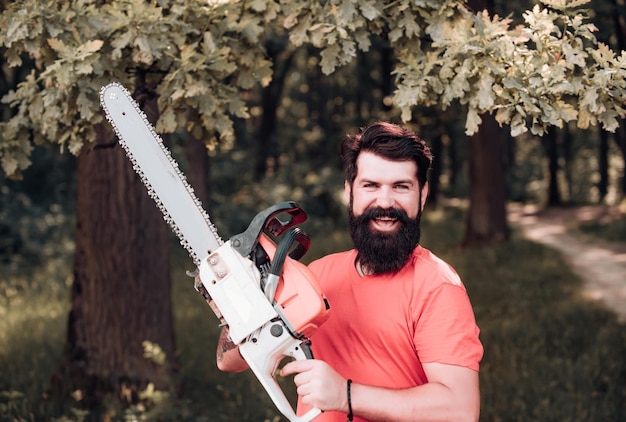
[
  {"x": 425, "y": 191},
  {"x": 346, "y": 192}
]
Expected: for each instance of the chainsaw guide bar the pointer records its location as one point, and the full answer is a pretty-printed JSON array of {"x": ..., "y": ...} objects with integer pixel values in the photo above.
[{"x": 159, "y": 172}]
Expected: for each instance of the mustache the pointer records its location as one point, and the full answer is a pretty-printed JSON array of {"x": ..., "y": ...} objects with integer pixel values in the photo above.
[{"x": 378, "y": 212}]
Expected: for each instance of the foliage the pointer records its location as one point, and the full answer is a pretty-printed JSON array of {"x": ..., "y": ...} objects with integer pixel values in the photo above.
[
  {"x": 198, "y": 53},
  {"x": 200, "y": 56},
  {"x": 544, "y": 73}
]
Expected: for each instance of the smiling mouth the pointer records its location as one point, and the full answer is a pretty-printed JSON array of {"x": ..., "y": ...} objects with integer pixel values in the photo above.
[{"x": 384, "y": 223}]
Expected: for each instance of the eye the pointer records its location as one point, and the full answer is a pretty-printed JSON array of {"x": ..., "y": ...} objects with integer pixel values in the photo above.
[{"x": 403, "y": 187}]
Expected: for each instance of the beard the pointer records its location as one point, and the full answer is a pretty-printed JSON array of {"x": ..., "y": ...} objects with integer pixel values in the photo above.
[{"x": 380, "y": 252}]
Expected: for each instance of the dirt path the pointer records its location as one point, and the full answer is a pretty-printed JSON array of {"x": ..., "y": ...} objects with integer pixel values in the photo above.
[{"x": 600, "y": 264}]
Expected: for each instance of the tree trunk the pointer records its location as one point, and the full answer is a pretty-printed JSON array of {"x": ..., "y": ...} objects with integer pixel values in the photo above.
[
  {"x": 437, "y": 168},
  {"x": 620, "y": 140},
  {"x": 321, "y": 89},
  {"x": 486, "y": 217},
  {"x": 270, "y": 101},
  {"x": 552, "y": 150},
  {"x": 387, "y": 65},
  {"x": 603, "y": 165},
  {"x": 509, "y": 163},
  {"x": 121, "y": 291},
  {"x": 620, "y": 137},
  {"x": 568, "y": 154},
  {"x": 454, "y": 164},
  {"x": 364, "y": 79},
  {"x": 197, "y": 157}
]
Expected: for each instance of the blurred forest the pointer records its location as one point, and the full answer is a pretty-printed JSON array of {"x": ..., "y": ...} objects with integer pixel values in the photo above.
[{"x": 288, "y": 149}]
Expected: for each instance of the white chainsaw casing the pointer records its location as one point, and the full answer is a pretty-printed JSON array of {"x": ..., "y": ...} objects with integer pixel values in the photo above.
[{"x": 233, "y": 283}]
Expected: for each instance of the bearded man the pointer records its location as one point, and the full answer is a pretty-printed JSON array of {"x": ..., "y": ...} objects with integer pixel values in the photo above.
[{"x": 401, "y": 343}]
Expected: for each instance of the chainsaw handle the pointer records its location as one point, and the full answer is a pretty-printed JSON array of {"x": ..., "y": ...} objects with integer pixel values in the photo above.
[
  {"x": 273, "y": 344},
  {"x": 277, "y": 226},
  {"x": 268, "y": 220}
]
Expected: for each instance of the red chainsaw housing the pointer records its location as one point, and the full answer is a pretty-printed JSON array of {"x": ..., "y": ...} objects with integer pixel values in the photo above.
[{"x": 300, "y": 297}]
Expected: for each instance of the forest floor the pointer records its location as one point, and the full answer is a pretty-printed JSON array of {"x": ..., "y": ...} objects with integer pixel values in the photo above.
[{"x": 600, "y": 264}]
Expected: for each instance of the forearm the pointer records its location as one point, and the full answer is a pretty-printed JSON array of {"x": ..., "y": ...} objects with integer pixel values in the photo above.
[
  {"x": 452, "y": 393},
  {"x": 227, "y": 354},
  {"x": 428, "y": 402},
  {"x": 228, "y": 357}
]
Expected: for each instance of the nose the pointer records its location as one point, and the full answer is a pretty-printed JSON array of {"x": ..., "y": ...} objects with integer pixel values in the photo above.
[{"x": 385, "y": 198}]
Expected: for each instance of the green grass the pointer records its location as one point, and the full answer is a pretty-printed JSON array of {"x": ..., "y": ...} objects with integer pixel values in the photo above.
[{"x": 550, "y": 355}]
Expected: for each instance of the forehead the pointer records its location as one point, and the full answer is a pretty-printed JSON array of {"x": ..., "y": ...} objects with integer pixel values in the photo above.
[{"x": 374, "y": 167}]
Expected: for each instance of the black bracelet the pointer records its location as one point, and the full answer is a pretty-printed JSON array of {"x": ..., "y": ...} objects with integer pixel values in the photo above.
[{"x": 350, "y": 416}]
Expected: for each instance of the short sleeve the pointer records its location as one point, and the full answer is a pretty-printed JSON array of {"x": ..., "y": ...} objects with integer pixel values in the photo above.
[{"x": 446, "y": 330}]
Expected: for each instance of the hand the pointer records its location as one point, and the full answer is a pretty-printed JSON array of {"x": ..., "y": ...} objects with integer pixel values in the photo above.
[{"x": 318, "y": 384}]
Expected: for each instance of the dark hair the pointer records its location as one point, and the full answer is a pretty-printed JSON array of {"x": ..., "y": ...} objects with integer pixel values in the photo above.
[{"x": 390, "y": 141}]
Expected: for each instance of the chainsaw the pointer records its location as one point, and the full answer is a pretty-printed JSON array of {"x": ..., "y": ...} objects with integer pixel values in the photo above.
[{"x": 270, "y": 301}]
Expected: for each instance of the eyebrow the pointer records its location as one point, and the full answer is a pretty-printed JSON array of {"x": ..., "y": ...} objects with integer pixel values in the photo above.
[{"x": 397, "y": 182}]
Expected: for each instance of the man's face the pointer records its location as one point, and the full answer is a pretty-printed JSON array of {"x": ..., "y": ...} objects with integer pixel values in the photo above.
[
  {"x": 385, "y": 205},
  {"x": 385, "y": 184}
]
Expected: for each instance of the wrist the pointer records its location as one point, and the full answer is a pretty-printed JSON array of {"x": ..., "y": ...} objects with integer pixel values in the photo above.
[{"x": 349, "y": 397}]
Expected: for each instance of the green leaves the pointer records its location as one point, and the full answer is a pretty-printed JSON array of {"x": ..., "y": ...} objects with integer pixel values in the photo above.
[
  {"x": 543, "y": 74},
  {"x": 72, "y": 60},
  {"x": 201, "y": 55},
  {"x": 188, "y": 49}
]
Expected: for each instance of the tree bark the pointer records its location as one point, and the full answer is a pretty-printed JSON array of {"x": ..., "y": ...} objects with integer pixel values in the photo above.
[
  {"x": 270, "y": 101},
  {"x": 603, "y": 165},
  {"x": 486, "y": 218},
  {"x": 437, "y": 168},
  {"x": 568, "y": 153},
  {"x": 198, "y": 173},
  {"x": 454, "y": 166},
  {"x": 620, "y": 137},
  {"x": 620, "y": 140},
  {"x": 552, "y": 150},
  {"x": 121, "y": 290}
]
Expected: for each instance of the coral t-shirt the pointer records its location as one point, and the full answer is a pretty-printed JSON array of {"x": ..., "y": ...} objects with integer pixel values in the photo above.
[{"x": 382, "y": 328}]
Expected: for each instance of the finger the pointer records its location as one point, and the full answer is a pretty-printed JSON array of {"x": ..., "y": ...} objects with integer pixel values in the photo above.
[
  {"x": 302, "y": 378},
  {"x": 296, "y": 366},
  {"x": 303, "y": 390},
  {"x": 307, "y": 399}
]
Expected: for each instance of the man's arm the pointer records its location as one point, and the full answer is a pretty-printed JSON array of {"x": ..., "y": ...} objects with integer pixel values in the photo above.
[
  {"x": 228, "y": 357},
  {"x": 452, "y": 393}
]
